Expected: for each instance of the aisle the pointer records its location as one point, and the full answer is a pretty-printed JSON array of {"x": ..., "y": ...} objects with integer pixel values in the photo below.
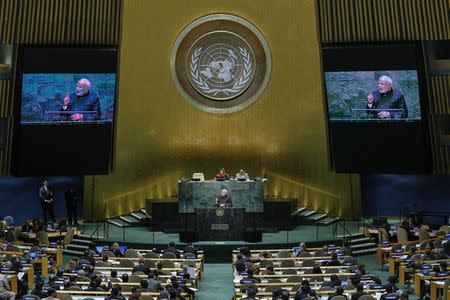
[{"x": 216, "y": 283}]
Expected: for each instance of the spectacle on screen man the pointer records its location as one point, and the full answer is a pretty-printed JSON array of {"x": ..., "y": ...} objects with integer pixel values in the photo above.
[
  {"x": 83, "y": 100},
  {"x": 385, "y": 97}
]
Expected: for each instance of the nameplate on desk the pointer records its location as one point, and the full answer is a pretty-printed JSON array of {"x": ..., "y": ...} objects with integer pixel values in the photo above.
[{"x": 220, "y": 226}]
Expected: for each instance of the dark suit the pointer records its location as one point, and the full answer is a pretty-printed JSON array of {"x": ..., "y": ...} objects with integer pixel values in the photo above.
[
  {"x": 141, "y": 268},
  {"x": 355, "y": 296},
  {"x": 390, "y": 100},
  {"x": 88, "y": 102},
  {"x": 174, "y": 251},
  {"x": 71, "y": 198},
  {"x": 190, "y": 249},
  {"x": 47, "y": 207},
  {"x": 154, "y": 285},
  {"x": 224, "y": 200}
]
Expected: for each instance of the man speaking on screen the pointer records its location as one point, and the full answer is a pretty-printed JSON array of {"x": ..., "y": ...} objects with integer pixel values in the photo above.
[
  {"x": 386, "y": 103},
  {"x": 86, "y": 105}
]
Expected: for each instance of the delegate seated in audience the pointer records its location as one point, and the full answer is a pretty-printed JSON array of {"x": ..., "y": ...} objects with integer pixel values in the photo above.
[
  {"x": 251, "y": 293},
  {"x": 303, "y": 248},
  {"x": 416, "y": 263},
  {"x": 388, "y": 290},
  {"x": 116, "y": 250},
  {"x": 359, "y": 292},
  {"x": 52, "y": 295},
  {"x": 345, "y": 248},
  {"x": 38, "y": 291},
  {"x": 115, "y": 294},
  {"x": 445, "y": 251},
  {"x": 334, "y": 281},
  {"x": 153, "y": 284},
  {"x": 256, "y": 269},
  {"x": 173, "y": 250},
  {"x": 313, "y": 295},
  {"x": 334, "y": 261},
  {"x": 144, "y": 285},
  {"x": 269, "y": 270},
  {"x": 392, "y": 280},
  {"x": 105, "y": 259},
  {"x": 362, "y": 269},
  {"x": 73, "y": 281},
  {"x": 52, "y": 282},
  {"x": 412, "y": 253},
  {"x": 428, "y": 254},
  {"x": 124, "y": 277},
  {"x": 141, "y": 267},
  {"x": 71, "y": 267},
  {"x": 303, "y": 291},
  {"x": 184, "y": 272},
  {"x": 135, "y": 293},
  {"x": 89, "y": 271},
  {"x": 251, "y": 277},
  {"x": 88, "y": 257},
  {"x": 113, "y": 274},
  {"x": 316, "y": 269},
  {"x": 339, "y": 292},
  {"x": 190, "y": 249}
]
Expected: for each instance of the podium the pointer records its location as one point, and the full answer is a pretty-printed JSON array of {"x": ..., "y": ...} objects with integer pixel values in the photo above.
[{"x": 220, "y": 224}]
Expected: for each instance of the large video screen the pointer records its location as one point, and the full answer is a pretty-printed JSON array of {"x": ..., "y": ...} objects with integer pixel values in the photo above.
[
  {"x": 68, "y": 98},
  {"x": 376, "y": 101},
  {"x": 383, "y": 95},
  {"x": 65, "y": 110}
]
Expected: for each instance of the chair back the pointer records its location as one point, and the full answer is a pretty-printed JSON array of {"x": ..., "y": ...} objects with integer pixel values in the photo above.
[
  {"x": 168, "y": 264},
  {"x": 108, "y": 253},
  {"x": 287, "y": 263},
  {"x": 42, "y": 237},
  {"x": 9, "y": 220},
  {"x": 13, "y": 248},
  {"x": 69, "y": 236},
  {"x": 425, "y": 226},
  {"x": 134, "y": 278},
  {"x": 149, "y": 263},
  {"x": 402, "y": 235},
  {"x": 146, "y": 297},
  {"x": 382, "y": 235},
  {"x": 168, "y": 255},
  {"x": 437, "y": 244},
  {"x": 423, "y": 234},
  {"x": 284, "y": 254},
  {"x": 289, "y": 272},
  {"x": 151, "y": 255},
  {"x": 444, "y": 229},
  {"x": 396, "y": 248},
  {"x": 366, "y": 297},
  {"x": 305, "y": 254},
  {"x": 320, "y": 253},
  {"x": 64, "y": 296},
  {"x": 294, "y": 279},
  {"x": 339, "y": 297},
  {"x": 126, "y": 263},
  {"x": 308, "y": 263},
  {"x": 138, "y": 273},
  {"x": 131, "y": 253},
  {"x": 10, "y": 236}
]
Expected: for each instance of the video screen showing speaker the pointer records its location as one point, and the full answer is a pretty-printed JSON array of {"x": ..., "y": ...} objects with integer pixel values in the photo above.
[
  {"x": 69, "y": 98},
  {"x": 376, "y": 108},
  {"x": 361, "y": 96},
  {"x": 65, "y": 108}
]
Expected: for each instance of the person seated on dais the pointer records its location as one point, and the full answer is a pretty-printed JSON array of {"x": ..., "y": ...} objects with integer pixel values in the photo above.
[{"x": 222, "y": 175}]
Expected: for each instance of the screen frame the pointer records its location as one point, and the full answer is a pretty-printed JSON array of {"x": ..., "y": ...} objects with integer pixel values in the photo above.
[
  {"x": 113, "y": 67},
  {"x": 406, "y": 62}
]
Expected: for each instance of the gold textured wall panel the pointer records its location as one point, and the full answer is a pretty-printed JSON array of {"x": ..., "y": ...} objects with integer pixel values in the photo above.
[
  {"x": 160, "y": 137},
  {"x": 56, "y": 22},
  {"x": 347, "y": 21},
  {"x": 383, "y": 20}
]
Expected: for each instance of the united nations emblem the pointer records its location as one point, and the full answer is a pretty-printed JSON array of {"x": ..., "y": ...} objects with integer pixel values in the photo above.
[
  {"x": 220, "y": 211},
  {"x": 221, "y": 65},
  {"x": 215, "y": 68}
]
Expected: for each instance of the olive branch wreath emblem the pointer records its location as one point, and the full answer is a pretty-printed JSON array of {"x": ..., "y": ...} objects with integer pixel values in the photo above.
[{"x": 203, "y": 85}]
